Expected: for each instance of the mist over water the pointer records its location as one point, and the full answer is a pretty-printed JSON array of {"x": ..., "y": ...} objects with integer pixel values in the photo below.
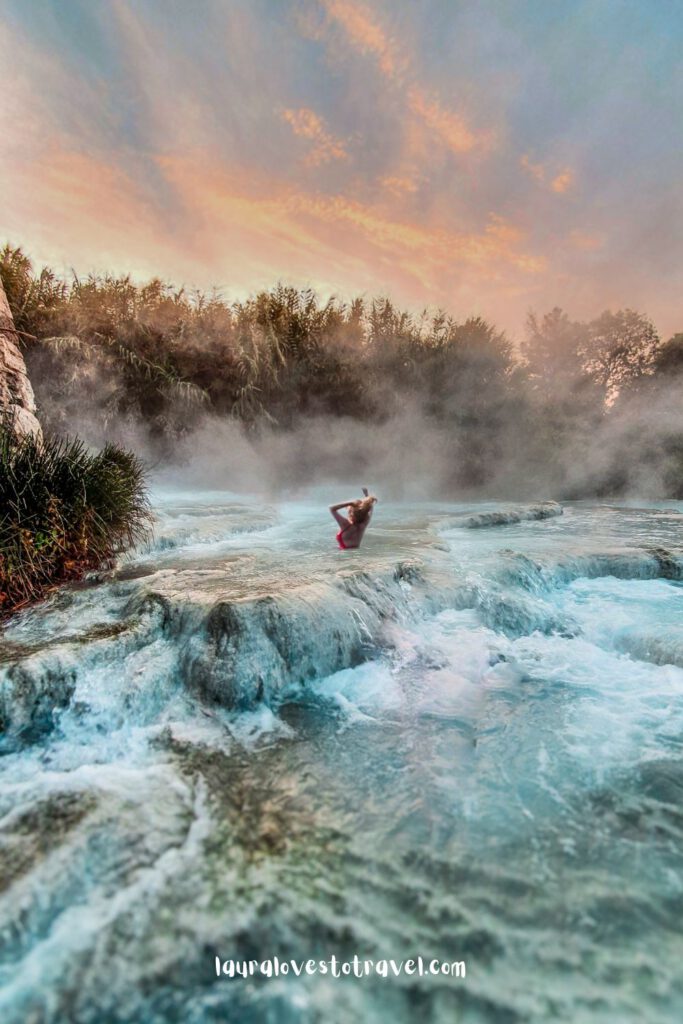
[
  {"x": 461, "y": 741},
  {"x": 409, "y": 457},
  {"x": 404, "y": 458}
]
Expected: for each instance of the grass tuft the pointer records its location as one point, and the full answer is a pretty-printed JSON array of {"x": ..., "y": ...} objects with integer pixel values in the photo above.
[{"x": 65, "y": 511}]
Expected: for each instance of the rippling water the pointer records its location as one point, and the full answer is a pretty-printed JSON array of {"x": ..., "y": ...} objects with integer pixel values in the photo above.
[{"x": 462, "y": 741}]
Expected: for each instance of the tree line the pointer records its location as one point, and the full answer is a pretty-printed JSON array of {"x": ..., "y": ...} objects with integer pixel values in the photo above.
[{"x": 590, "y": 408}]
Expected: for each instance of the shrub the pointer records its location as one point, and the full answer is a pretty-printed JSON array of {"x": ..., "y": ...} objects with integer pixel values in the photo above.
[{"x": 65, "y": 510}]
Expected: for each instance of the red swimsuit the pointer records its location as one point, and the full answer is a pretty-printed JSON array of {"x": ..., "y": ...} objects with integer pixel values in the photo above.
[{"x": 340, "y": 542}]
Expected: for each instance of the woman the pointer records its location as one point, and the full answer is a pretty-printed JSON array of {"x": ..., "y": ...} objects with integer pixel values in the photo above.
[{"x": 354, "y": 523}]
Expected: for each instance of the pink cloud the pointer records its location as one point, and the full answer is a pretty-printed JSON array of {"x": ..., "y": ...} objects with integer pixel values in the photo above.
[
  {"x": 563, "y": 181},
  {"x": 558, "y": 181},
  {"x": 309, "y": 125},
  {"x": 367, "y": 36}
]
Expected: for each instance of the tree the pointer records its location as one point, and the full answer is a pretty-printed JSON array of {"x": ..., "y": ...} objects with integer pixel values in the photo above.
[
  {"x": 553, "y": 350},
  {"x": 620, "y": 348},
  {"x": 668, "y": 361}
]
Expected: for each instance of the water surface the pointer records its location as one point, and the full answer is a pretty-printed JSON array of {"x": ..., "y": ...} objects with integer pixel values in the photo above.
[{"x": 462, "y": 741}]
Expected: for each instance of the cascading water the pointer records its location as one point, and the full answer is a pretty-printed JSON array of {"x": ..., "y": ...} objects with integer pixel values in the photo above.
[{"x": 462, "y": 741}]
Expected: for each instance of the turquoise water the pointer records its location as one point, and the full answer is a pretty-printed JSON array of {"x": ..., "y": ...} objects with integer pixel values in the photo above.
[{"x": 462, "y": 741}]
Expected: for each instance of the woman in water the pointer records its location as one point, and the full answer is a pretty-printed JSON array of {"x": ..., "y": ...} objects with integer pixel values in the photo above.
[{"x": 354, "y": 523}]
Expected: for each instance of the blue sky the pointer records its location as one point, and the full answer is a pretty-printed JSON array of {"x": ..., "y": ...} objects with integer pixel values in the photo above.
[{"x": 486, "y": 157}]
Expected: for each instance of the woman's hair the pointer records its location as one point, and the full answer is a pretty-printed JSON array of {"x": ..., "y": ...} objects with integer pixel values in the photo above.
[{"x": 361, "y": 509}]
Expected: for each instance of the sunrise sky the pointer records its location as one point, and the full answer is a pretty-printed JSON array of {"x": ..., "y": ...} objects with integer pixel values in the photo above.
[{"x": 488, "y": 157}]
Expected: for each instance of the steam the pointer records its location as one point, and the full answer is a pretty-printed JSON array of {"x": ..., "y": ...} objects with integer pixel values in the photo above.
[
  {"x": 631, "y": 452},
  {"x": 402, "y": 458}
]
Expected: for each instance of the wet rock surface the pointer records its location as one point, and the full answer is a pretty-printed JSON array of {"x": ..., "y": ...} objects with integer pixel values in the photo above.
[{"x": 17, "y": 400}]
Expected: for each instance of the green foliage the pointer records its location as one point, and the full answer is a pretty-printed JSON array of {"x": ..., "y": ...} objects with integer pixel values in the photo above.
[
  {"x": 107, "y": 350},
  {"x": 64, "y": 511}
]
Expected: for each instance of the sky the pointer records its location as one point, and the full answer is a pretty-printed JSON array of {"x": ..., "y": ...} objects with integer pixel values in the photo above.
[{"x": 487, "y": 157}]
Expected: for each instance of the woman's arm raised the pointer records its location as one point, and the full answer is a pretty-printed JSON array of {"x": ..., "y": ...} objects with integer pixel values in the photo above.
[
  {"x": 342, "y": 504},
  {"x": 342, "y": 520}
]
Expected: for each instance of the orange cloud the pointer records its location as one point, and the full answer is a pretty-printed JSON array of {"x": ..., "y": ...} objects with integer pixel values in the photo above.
[
  {"x": 341, "y": 238},
  {"x": 537, "y": 171},
  {"x": 563, "y": 181},
  {"x": 559, "y": 183},
  {"x": 451, "y": 128},
  {"x": 367, "y": 36},
  {"x": 79, "y": 206},
  {"x": 585, "y": 242},
  {"x": 309, "y": 125},
  {"x": 399, "y": 185}
]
